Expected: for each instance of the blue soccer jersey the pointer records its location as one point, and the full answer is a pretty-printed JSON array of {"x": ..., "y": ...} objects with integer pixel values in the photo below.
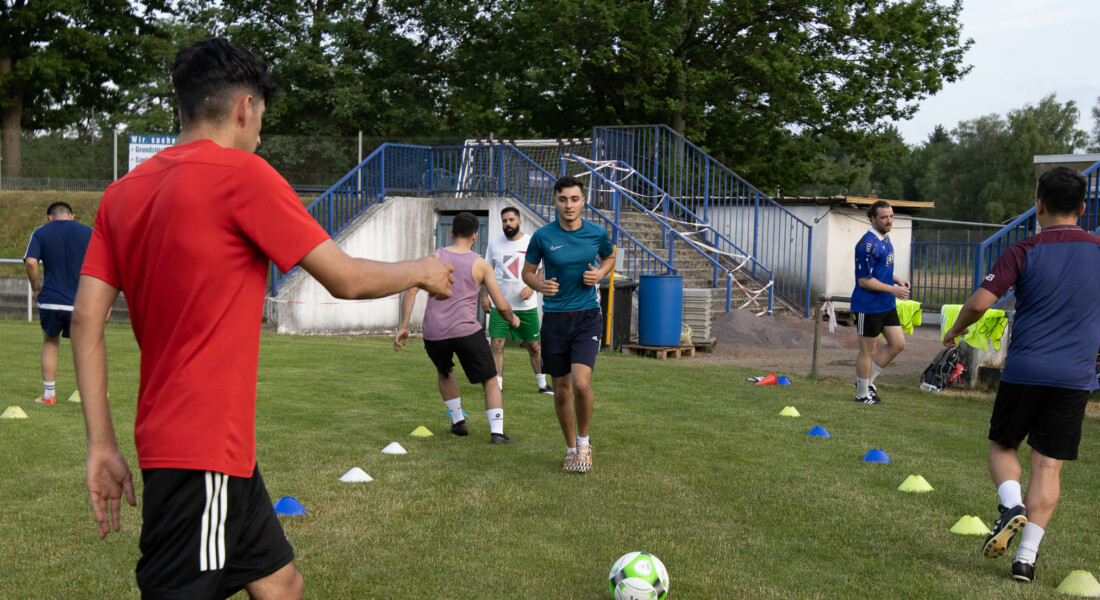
[
  {"x": 1057, "y": 328},
  {"x": 565, "y": 256},
  {"x": 60, "y": 245},
  {"x": 874, "y": 260}
]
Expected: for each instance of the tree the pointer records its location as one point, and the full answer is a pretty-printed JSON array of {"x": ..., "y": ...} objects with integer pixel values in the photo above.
[
  {"x": 744, "y": 79},
  {"x": 61, "y": 60},
  {"x": 1095, "y": 142}
]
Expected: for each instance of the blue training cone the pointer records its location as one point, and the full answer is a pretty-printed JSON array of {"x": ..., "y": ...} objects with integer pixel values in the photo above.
[
  {"x": 876, "y": 456},
  {"x": 289, "y": 506},
  {"x": 783, "y": 380},
  {"x": 818, "y": 431},
  {"x": 464, "y": 415}
]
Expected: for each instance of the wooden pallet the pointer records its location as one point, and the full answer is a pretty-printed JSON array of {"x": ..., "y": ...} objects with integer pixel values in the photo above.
[
  {"x": 707, "y": 346},
  {"x": 659, "y": 352}
]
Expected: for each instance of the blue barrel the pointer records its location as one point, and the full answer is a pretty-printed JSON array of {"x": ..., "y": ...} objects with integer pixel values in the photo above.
[{"x": 660, "y": 309}]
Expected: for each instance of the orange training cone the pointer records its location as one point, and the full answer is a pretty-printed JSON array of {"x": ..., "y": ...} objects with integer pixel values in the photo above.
[{"x": 771, "y": 379}]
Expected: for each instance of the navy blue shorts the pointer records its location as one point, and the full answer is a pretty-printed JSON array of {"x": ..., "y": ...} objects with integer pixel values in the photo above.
[
  {"x": 570, "y": 338},
  {"x": 55, "y": 322}
]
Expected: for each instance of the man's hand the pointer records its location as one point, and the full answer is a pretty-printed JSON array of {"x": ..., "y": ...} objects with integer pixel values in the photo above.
[
  {"x": 108, "y": 478},
  {"x": 524, "y": 294},
  {"x": 437, "y": 277},
  {"x": 949, "y": 337},
  {"x": 485, "y": 306},
  {"x": 400, "y": 339},
  {"x": 901, "y": 292},
  {"x": 592, "y": 276},
  {"x": 550, "y": 286},
  {"x": 514, "y": 322}
]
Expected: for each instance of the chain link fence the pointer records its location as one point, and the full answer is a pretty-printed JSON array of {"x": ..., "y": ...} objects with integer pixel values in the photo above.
[{"x": 311, "y": 164}]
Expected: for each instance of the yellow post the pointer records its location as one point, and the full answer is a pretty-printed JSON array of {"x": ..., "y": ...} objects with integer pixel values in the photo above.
[{"x": 610, "y": 301}]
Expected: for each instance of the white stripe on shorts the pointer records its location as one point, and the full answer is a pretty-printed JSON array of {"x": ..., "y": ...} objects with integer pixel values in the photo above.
[
  {"x": 212, "y": 537},
  {"x": 859, "y": 323}
]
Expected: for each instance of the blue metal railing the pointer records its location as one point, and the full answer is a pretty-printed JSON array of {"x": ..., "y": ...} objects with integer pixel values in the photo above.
[
  {"x": 719, "y": 197},
  {"x": 659, "y": 206},
  {"x": 943, "y": 272}
]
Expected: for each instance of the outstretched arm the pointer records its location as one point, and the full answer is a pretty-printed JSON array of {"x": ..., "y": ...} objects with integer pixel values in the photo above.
[
  {"x": 107, "y": 474},
  {"x": 359, "y": 278},
  {"x": 408, "y": 300},
  {"x": 972, "y": 310}
]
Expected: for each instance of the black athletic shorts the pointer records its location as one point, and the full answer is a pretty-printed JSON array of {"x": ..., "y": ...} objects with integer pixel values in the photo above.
[
  {"x": 206, "y": 534},
  {"x": 55, "y": 322},
  {"x": 473, "y": 352},
  {"x": 1050, "y": 417},
  {"x": 871, "y": 324},
  {"x": 570, "y": 338}
]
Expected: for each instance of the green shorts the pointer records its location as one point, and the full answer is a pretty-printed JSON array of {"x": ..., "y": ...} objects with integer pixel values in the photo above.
[{"x": 527, "y": 331}]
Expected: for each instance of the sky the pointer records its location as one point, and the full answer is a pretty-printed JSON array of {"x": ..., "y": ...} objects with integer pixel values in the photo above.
[{"x": 1022, "y": 51}]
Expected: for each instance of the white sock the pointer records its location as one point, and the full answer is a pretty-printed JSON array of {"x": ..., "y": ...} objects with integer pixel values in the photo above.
[
  {"x": 1029, "y": 543},
  {"x": 875, "y": 370},
  {"x": 1009, "y": 492},
  {"x": 861, "y": 387},
  {"x": 455, "y": 406},
  {"x": 500, "y": 382},
  {"x": 496, "y": 420},
  {"x": 582, "y": 440},
  {"x": 48, "y": 387},
  {"x": 541, "y": 378},
  {"x": 572, "y": 450}
]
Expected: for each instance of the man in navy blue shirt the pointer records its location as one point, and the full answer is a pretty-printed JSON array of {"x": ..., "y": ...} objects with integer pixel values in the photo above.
[
  {"x": 873, "y": 302},
  {"x": 60, "y": 243},
  {"x": 1048, "y": 370}
]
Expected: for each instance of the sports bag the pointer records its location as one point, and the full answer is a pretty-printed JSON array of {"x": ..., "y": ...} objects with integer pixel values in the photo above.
[{"x": 944, "y": 372}]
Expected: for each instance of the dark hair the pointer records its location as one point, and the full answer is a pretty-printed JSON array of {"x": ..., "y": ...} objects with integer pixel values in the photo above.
[
  {"x": 510, "y": 209},
  {"x": 567, "y": 181},
  {"x": 873, "y": 211},
  {"x": 206, "y": 73},
  {"x": 1062, "y": 191},
  {"x": 465, "y": 225},
  {"x": 57, "y": 207}
]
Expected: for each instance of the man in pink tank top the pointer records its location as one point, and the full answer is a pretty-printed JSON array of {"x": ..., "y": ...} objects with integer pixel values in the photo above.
[{"x": 451, "y": 328}]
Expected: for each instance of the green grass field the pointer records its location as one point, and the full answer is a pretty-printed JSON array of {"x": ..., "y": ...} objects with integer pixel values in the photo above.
[{"x": 692, "y": 464}]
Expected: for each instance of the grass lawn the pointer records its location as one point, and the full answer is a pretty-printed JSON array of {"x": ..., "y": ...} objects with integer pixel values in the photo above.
[{"x": 691, "y": 463}]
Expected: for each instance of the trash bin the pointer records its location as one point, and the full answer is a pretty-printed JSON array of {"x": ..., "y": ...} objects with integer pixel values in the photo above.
[
  {"x": 660, "y": 309},
  {"x": 623, "y": 310}
]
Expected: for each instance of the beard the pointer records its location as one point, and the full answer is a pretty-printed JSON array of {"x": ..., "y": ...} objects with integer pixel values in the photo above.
[{"x": 510, "y": 232}]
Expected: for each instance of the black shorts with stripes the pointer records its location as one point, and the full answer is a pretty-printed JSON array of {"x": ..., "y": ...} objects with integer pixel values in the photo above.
[
  {"x": 871, "y": 324},
  {"x": 206, "y": 534}
]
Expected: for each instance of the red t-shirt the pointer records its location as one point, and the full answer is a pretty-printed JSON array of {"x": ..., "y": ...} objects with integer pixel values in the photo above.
[{"x": 186, "y": 236}]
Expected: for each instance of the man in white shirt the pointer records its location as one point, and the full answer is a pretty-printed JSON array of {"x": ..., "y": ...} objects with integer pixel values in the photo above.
[{"x": 506, "y": 254}]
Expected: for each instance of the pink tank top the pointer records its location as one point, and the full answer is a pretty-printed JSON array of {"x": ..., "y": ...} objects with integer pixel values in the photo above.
[{"x": 456, "y": 316}]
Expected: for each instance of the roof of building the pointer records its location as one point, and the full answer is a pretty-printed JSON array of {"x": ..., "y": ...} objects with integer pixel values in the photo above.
[{"x": 906, "y": 206}]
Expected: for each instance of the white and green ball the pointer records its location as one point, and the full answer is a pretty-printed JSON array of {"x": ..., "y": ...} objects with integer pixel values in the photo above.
[{"x": 638, "y": 576}]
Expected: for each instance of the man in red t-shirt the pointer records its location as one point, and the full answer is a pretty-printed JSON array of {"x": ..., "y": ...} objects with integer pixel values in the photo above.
[{"x": 187, "y": 235}]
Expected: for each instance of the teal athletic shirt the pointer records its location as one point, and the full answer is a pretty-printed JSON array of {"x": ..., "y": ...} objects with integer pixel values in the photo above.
[{"x": 565, "y": 255}]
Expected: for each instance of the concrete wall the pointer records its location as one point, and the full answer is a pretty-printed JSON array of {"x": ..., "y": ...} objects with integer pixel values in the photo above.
[{"x": 399, "y": 229}]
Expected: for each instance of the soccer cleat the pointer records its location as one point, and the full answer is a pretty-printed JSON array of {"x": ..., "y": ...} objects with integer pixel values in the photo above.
[
  {"x": 872, "y": 391},
  {"x": 570, "y": 463},
  {"x": 870, "y": 400},
  {"x": 1011, "y": 521},
  {"x": 44, "y": 400},
  {"x": 460, "y": 428},
  {"x": 546, "y": 390},
  {"x": 584, "y": 458},
  {"x": 1023, "y": 571},
  {"x": 500, "y": 438}
]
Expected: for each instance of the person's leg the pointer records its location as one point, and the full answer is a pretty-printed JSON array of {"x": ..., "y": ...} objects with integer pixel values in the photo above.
[
  {"x": 863, "y": 365},
  {"x": 534, "y": 352},
  {"x": 285, "y": 584},
  {"x": 581, "y": 377},
  {"x": 50, "y": 346},
  {"x": 448, "y": 386},
  {"x": 1004, "y": 464},
  {"x": 895, "y": 344},
  {"x": 563, "y": 406},
  {"x": 1043, "y": 490},
  {"x": 498, "y": 355}
]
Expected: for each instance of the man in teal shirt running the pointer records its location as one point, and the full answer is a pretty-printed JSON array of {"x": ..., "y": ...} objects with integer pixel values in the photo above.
[{"x": 570, "y": 249}]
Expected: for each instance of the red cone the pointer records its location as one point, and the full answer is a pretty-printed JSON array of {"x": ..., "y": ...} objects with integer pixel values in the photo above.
[{"x": 771, "y": 379}]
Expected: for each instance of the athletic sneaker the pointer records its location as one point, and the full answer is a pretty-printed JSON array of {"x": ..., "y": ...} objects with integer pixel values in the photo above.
[
  {"x": 460, "y": 428},
  {"x": 872, "y": 391},
  {"x": 570, "y": 463},
  {"x": 1023, "y": 571},
  {"x": 584, "y": 458},
  {"x": 43, "y": 400},
  {"x": 546, "y": 390},
  {"x": 500, "y": 438},
  {"x": 872, "y": 399},
  {"x": 1011, "y": 521}
]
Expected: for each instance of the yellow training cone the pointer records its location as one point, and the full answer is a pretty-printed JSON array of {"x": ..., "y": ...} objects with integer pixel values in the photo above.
[
  {"x": 75, "y": 397},
  {"x": 789, "y": 411},
  {"x": 969, "y": 525},
  {"x": 421, "y": 432},
  {"x": 915, "y": 483},
  {"x": 13, "y": 412},
  {"x": 1080, "y": 583}
]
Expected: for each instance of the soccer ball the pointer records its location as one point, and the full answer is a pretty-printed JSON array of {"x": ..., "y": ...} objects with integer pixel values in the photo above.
[{"x": 638, "y": 576}]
